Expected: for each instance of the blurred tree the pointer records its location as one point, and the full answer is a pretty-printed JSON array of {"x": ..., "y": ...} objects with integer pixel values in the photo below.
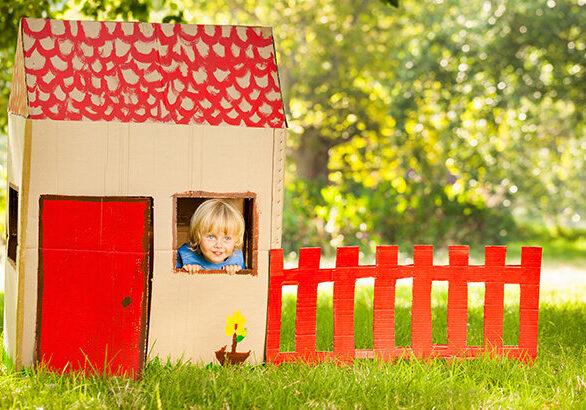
[
  {"x": 167, "y": 11},
  {"x": 488, "y": 103},
  {"x": 491, "y": 99},
  {"x": 434, "y": 123}
]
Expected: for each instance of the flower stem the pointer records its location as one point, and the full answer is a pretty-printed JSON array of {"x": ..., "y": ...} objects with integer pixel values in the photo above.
[{"x": 234, "y": 343}]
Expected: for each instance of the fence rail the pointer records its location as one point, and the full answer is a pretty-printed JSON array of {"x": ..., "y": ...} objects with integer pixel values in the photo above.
[{"x": 386, "y": 271}]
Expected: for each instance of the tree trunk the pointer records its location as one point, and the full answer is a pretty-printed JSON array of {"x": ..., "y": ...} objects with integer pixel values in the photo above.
[{"x": 312, "y": 156}]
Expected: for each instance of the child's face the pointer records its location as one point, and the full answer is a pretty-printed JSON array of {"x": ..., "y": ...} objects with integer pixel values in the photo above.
[{"x": 216, "y": 246}]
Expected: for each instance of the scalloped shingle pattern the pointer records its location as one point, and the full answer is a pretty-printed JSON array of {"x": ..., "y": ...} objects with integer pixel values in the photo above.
[{"x": 147, "y": 72}]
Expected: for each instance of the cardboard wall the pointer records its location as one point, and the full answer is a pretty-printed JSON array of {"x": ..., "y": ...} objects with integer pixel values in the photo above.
[
  {"x": 16, "y": 134},
  {"x": 188, "y": 313},
  {"x": 18, "y": 128}
]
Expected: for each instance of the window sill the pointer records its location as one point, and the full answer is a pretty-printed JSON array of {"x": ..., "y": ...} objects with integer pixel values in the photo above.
[{"x": 250, "y": 272}]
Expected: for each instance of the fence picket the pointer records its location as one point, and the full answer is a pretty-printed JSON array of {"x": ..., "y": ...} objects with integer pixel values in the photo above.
[
  {"x": 458, "y": 300},
  {"x": 421, "y": 311},
  {"x": 344, "y": 287},
  {"x": 494, "y": 298},
  {"x": 275, "y": 302},
  {"x": 529, "y": 301},
  {"x": 305, "y": 323},
  {"x": 387, "y": 258}
]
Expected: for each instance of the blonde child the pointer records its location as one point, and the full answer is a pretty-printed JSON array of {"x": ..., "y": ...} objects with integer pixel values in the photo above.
[{"x": 216, "y": 232}]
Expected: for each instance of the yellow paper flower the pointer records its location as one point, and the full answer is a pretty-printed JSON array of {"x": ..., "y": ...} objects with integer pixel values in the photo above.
[{"x": 235, "y": 323}]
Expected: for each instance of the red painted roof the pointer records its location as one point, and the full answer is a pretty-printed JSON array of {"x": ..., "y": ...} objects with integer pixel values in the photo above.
[{"x": 148, "y": 72}]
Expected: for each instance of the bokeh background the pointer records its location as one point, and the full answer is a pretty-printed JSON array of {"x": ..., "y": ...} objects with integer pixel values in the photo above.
[{"x": 438, "y": 122}]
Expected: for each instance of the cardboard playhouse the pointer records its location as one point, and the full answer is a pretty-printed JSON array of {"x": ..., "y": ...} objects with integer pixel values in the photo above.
[{"x": 117, "y": 132}]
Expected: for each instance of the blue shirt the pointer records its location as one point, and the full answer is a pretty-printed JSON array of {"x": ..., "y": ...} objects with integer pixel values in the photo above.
[{"x": 185, "y": 256}]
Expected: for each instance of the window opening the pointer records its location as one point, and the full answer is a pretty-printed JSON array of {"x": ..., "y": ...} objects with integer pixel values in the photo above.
[
  {"x": 185, "y": 206},
  {"x": 12, "y": 223}
]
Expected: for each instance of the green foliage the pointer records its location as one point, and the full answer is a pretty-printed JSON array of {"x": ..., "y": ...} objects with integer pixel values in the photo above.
[
  {"x": 301, "y": 225},
  {"x": 389, "y": 213},
  {"x": 442, "y": 122},
  {"x": 113, "y": 10},
  {"x": 128, "y": 10},
  {"x": 473, "y": 129},
  {"x": 10, "y": 14}
]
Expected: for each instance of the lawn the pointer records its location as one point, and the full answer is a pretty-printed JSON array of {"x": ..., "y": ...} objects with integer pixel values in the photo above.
[{"x": 557, "y": 379}]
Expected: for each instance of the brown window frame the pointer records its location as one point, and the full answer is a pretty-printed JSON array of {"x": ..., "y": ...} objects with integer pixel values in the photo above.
[{"x": 250, "y": 246}]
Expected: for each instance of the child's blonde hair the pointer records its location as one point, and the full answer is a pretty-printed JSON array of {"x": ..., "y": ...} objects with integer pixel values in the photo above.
[{"x": 216, "y": 214}]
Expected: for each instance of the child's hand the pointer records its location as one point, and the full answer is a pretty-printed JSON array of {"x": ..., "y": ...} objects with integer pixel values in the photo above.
[
  {"x": 232, "y": 269},
  {"x": 191, "y": 269}
]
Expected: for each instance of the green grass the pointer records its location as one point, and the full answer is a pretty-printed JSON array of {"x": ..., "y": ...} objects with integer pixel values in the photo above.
[
  {"x": 556, "y": 251},
  {"x": 556, "y": 380}
]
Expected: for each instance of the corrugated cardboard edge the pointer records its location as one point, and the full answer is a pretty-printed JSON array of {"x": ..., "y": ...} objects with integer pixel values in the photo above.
[
  {"x": 24, "y": 205},
  {"x": 279, "y": 150},
  {"x": 279, "y": 145},
  {"x": 18, "y": 101}
]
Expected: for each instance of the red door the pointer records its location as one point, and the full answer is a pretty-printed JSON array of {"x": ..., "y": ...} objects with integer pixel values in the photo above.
[{"x": 94, "y": 281}]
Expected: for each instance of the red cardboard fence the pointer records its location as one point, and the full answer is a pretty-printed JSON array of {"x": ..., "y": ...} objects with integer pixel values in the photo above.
[{"x": 494, "y": 273}]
